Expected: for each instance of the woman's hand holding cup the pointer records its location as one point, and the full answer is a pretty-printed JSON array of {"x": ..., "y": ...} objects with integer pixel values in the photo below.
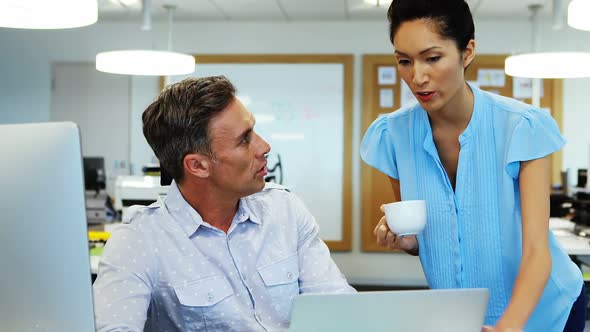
[{"x": 397, "y": 229}]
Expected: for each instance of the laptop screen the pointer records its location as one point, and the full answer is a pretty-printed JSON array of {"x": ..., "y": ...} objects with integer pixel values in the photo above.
[{"x": 448, "y": 310}]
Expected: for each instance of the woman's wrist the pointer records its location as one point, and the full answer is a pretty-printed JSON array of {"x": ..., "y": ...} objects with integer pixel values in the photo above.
[{"x": 414, "y": 251}]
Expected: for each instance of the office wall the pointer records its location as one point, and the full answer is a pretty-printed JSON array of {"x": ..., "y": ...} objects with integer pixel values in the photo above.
[
  {"x": 94, "y": 101},
  {"x": 575, "y": 126},
  {"x": 25, "y": 84}
]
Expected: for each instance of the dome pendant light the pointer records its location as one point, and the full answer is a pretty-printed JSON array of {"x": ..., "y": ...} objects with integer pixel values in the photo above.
[
  {"x": 147, "y": 62},
  {"x": 45, "y": 14},
  {"x": 547, "y": 64},
  {"x": 577, "y": 14}
]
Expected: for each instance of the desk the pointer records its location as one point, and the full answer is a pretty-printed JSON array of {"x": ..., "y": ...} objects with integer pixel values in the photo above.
[
  {"x": 99, "y": 229},
  {"x": 578, "y": 247},
  {"x": 94, "y": 260},
  {"x": 573, "y": 244}
]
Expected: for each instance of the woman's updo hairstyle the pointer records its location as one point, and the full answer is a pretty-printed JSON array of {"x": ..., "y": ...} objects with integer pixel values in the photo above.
[{"x": 452, "y": 18}]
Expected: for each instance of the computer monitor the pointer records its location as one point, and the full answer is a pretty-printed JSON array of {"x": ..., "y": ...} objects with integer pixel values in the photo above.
[
  {"x": 94, "y": 173},
  {"x": 582, "y": 178},
  {"x": 45, "y": 282}
]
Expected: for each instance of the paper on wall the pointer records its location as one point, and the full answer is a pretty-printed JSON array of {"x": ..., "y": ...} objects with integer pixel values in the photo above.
[
  {"x": 386, "y": 98},
  {"x": 523, "y": 87},
  {"x": 491, "y": 77},
  {"x": 387, "y": 75}
]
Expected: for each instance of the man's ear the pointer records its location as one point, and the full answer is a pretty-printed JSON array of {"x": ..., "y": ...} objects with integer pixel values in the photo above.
[
  {"x": 197, "y": 164},
  {"x": 468, "y": 53}
]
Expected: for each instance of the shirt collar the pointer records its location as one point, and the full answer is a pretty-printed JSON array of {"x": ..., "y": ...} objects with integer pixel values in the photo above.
[
  {"x": 190, "y": 220},
  {"x": 246, "y": 213},
  {"x": 478, "y": 104},
  {"x": 475, "y": 116}
]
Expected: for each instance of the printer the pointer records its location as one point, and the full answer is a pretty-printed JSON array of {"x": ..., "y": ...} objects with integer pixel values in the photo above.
[{"x": 136, "y": 190}]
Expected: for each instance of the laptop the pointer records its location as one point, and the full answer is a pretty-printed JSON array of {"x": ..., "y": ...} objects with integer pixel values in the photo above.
[
  {"x": 45, "y": 282},
  {"x": 442, "y": 310}
]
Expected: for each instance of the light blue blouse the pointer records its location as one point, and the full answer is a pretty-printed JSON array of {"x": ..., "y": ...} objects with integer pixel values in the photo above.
[{"x": 473, "y": 235}]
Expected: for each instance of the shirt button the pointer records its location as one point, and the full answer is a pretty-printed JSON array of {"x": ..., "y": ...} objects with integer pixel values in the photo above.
[
  {"x": 289, "y": 275},
  {"x": 210, "y": 297}
]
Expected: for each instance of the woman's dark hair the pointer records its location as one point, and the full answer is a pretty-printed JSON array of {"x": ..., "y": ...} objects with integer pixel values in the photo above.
[{"x": 452, "y": 18}]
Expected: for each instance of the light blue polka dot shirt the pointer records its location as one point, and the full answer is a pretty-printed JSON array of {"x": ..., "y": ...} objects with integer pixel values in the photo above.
[
  {"x": 172, "y": 271},
  {"x": 473, "y": 235}
]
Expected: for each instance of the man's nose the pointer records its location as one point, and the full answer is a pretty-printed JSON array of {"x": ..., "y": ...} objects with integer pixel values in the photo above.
[{"x": 264, "y": 147}]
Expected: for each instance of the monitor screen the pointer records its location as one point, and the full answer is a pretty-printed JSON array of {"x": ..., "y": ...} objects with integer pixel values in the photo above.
[
  {"x": 94, "y": 173},
  {"x": 45, "y": 282}
]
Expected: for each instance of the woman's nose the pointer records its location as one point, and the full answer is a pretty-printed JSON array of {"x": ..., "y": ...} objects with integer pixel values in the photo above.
[{"x": 420, "y": 76}]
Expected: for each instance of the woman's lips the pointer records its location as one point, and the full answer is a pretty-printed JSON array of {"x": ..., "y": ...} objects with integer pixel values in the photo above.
[{"x": 425, "y": 96}]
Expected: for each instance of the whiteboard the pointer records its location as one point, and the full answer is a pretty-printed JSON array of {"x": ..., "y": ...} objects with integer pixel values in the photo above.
[{"x": 299, "y": 111}]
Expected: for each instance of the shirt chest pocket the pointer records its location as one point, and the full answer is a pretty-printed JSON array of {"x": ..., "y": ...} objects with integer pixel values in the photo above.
[
  {"x": 205, "y": 292},
  {"x": 283, "y": 271},
  {"x": 281, "y": 279},
  {"x": 203, "y": 304}
]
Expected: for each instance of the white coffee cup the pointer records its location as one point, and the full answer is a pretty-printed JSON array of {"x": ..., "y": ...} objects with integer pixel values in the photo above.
[{"x": 406, "y": 217}]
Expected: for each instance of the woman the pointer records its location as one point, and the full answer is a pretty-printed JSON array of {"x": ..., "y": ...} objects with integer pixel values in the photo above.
[{"x": 481, "y": 162}]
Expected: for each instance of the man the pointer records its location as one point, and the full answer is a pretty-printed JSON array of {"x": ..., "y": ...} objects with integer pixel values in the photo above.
[{"x": 222, "y": 251}]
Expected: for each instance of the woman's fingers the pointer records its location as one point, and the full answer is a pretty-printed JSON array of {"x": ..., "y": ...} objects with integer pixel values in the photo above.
[
  {"x": 390, "y": 240},
  {"x": 381, "y": 222},
  {"x": 382, "y": 232},
  {"x": 385, "y": 237}
]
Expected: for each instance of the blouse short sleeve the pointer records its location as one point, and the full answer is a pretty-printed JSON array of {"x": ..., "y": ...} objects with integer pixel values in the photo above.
[
  {"x": 377, "y": 148},
  {"x": 535, "y": 136}
]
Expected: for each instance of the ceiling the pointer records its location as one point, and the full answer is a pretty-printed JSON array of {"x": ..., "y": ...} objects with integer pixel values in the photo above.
[{"x": 296, "y": 10}]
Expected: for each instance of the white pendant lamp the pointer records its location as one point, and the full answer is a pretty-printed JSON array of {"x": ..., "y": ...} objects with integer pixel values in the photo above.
[
  {"x": 547, "y": 64},
  {"x": 147, "y": 62},
  {"x": 47, "y": 14},
  {"x": 577, "y": 14}
]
